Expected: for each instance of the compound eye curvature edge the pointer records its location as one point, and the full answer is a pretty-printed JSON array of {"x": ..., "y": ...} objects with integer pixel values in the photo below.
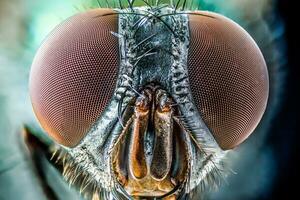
[
  {"x": 228, "y": 77},
  {"x": 74, "y": 73}
]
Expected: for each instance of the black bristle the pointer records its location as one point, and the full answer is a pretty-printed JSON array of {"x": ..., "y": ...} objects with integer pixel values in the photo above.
[
  {"x": 183, "y": 5},
  {"x": 148, "y": 4},
  {"x": 130, "y": 4},
  {"x": 120, "y": 4},
  {"x": 177, "y": 5}
]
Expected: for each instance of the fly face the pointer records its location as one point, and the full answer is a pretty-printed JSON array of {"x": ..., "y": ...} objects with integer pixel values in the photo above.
[
  {"x": 146, "y": 101},
  {"x": 150, "y": 157}
]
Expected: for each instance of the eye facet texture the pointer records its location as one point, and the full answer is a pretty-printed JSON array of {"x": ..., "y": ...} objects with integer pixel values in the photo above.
[
  {"x": 228, "y": 78},
  {"x": 74, "y": 73}
]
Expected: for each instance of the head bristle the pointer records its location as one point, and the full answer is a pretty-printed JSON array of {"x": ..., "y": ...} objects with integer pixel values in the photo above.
[{"x": 130, "y": 4}]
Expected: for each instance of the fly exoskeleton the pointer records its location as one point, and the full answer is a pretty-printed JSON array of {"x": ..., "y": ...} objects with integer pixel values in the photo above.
[{"x": 145, "y": 102}]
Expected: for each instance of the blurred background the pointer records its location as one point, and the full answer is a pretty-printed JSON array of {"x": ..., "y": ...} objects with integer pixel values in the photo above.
[{"x": 266, "y": 165}]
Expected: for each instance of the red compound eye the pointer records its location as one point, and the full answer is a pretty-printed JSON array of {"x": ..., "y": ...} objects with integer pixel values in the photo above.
[
  {"x": 74, "y": 74},
  {"x": 228, "y": 78}
]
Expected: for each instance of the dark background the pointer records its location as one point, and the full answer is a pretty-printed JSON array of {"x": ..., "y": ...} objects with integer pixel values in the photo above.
[{"x": 285, "y": 131}]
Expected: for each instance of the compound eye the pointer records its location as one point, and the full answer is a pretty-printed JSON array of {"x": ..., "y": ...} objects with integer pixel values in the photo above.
[
  {"x": 228, "y": 77},
  {"x": 74, "y": 73}
]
